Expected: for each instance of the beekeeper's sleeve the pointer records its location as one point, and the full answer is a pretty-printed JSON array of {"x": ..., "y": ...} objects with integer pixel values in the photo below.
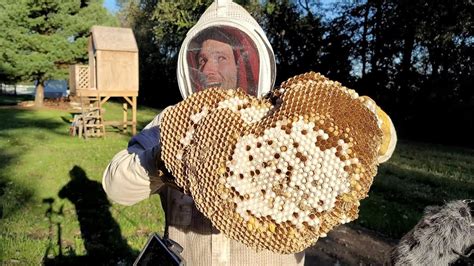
[{"x": 132, "y": 176}]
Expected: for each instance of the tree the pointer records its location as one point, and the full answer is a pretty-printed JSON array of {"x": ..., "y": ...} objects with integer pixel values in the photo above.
[
  {"x": 40, "y": 38},
  {"x": 296, "y": 37},
  {"x": 416, "y": 54},
  {"x": 160, "y": 27},
  {"x": 336, "y": 53}
]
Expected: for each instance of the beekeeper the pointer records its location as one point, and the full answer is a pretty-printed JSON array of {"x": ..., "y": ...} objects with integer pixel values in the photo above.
[{"x": 226, "y": 48}]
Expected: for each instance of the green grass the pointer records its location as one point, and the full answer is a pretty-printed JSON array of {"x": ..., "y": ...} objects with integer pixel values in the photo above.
[
  {"x": 36, "y": 159},
  {"x": 416, "y": 176},
  {"x": 43, "y": 171}
]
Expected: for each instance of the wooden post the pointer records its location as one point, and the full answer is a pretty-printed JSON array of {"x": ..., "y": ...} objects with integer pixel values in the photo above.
[
  {"x": 134, "y": 115},
  {"x": 125, "y": 117}
]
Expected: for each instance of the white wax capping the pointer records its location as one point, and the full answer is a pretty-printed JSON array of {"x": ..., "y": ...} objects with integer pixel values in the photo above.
[
  {"x": 353, "y": 94},
  {"x": 253, "y": 114},
  {"x": 250, "y": 114},
  {"x": 373, "y": 108},
  {"x": 198, "y": 116},
  {"x": 315, "y": 182},
  {"x": 370, "y": 105},
  {"x": 345, "y": 219},
  {"x": 232, "y": 103},
  {"x": 327, "y": 82},
  {"x": 195, "y": 118},
  {"x": 179, "y": 155},
  {"x": 379, "y": 120},
  {"x": 186, "y": 140}
]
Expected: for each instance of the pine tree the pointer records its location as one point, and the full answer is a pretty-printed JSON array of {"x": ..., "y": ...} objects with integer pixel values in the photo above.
[{"x": 40, "y": 38}]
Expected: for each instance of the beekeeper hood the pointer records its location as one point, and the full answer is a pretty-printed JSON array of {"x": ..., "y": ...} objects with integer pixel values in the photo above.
[{"x": 226, "y": 48}]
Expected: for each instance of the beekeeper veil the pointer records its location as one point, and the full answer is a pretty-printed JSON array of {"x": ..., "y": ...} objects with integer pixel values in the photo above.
[{"x": 226, "y": 48}]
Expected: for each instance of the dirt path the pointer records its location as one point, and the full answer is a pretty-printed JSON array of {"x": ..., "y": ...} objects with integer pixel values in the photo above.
[{"x": 350, "y": 245}]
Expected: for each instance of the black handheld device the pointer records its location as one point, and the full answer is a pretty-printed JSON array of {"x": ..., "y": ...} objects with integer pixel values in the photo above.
[{"x": 160, "y": 251}]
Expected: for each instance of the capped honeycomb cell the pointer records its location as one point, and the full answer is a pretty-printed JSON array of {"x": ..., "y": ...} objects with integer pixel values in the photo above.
[{"x": 280, "y": 172}]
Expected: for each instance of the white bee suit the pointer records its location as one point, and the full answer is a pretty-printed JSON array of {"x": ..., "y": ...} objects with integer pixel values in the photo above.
[{"x": 131, "y": 175}]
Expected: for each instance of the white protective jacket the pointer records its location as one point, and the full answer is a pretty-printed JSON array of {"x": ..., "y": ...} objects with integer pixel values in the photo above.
[{"x": 131, "y": 175}]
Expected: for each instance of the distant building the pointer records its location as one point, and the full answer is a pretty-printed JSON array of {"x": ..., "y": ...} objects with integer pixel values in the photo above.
[
  {"x": 19, "y": 89},
  {"x": 52, "y": 89}
]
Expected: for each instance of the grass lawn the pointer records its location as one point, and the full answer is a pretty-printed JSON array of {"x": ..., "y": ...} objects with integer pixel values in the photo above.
[
  {"x": 52, "y": 205},
  {"x": 416, "y": 176},
  {"x": 44, "y": 170}
]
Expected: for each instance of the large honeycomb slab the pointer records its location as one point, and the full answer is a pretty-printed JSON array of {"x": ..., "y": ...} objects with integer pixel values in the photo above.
[{"x": 280, "y": 172}]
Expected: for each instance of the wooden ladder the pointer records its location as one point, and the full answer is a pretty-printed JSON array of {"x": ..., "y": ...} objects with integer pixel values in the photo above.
[{"x": 92, "y": 120}]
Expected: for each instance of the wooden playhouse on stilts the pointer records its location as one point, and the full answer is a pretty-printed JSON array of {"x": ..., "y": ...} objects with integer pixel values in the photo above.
[{"x": 112, "y": 72}]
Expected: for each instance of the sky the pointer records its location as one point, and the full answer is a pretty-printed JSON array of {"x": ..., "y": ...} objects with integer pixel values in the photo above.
[{"x": 111, "y": 5}]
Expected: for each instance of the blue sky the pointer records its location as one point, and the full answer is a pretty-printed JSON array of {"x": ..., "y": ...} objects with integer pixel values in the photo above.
[{"x": 111, "y": 5}]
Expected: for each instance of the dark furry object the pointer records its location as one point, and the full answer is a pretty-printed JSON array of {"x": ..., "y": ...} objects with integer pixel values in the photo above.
[{"x": 442, "y": 236}]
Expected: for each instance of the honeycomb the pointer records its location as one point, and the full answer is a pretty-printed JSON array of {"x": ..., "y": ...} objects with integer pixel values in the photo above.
[{"x": 275, "y": 173}]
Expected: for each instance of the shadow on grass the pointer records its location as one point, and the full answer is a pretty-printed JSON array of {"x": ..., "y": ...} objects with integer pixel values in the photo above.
[
  {"x": 13, "y": 195},
  {"x": 17, "y": 118},
  {"x": 11, "y": 100},
  {"x": 5, "y": 183},
  {"x": 100, "y": 232}
]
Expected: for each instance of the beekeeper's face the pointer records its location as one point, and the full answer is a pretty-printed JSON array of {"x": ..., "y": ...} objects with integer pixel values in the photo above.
[{"x": 217, "y": 65}]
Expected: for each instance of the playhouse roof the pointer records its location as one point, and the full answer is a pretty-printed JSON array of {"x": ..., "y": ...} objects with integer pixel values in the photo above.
[{"x": 113, "y": 39}]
